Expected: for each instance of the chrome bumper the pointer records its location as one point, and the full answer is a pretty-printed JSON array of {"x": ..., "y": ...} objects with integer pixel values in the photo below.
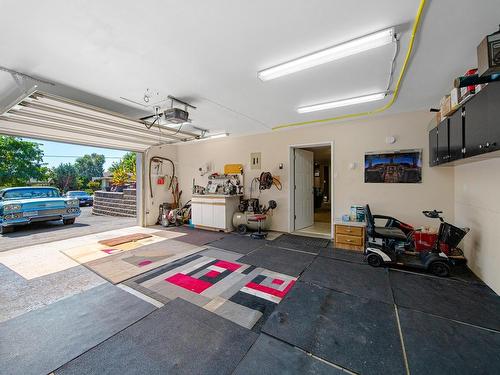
[{"x": 49, "y": 215}]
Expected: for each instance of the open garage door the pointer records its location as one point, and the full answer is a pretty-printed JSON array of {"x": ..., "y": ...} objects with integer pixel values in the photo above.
[
  {"x": 43, "y": 116},
  {"x": 38, "y": 115}
]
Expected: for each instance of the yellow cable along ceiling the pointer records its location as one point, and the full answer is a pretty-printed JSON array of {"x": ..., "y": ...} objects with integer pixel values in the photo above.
[{"x": 389, "y": 104}]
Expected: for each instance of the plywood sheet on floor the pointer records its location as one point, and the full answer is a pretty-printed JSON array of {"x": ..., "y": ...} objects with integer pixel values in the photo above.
[
  {"x": 93, "y": 251},
  {"x": 239, "y": 292},
  {"x": 19, "y": 295},
  {"x": 125, "y": 265},
  {"x": 357, "y": 279},
  {"x": 280, "y": 260},
  {"x": 465, "y": 302},
  {"x": 353, "y": 332},
  {"x": 179, "y": 338},
  {"x": 42, "y": 340},
  {"x": 40, "y": 260},
  {"x": 115, "y": 241},
  {"x": 437, "y": 345},
  {"x": 37, "y": 261},
  {"x": 269, "y": 356}
]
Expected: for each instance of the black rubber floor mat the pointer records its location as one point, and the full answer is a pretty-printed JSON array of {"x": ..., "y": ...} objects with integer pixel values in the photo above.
[
  {"x": 450, "y": 299},
  {"x": 289, "y": 262},
  {"x": 440, "y": 346},
  {"x": 269, "y": 356},
  {"x": 179, "y": 338},
  {"x": 237, "y": 243},
  {"x": 355, "y": 333},
  {"x": 303, "y": 243},
  {"x": 341, "y": 254},
  {"x": 42, "y": 340},
  {"x": 356, "y": 279}
]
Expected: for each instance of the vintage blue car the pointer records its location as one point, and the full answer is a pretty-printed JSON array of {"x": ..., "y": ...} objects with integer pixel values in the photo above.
[{"x": 25, "y": 205}]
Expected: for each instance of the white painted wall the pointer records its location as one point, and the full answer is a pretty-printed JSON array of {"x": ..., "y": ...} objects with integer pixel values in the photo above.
[
  {"x": 160, "y": 192},
  {"x": 477, "y": 206},
  {"x": 351, "y": 140}
]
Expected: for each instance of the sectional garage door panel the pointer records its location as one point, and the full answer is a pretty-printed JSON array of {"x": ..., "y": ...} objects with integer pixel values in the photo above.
[{"x": 48, "y": 117}]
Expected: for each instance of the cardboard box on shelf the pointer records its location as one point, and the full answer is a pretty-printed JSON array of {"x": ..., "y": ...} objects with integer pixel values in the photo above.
[
  {"x": 438, "y": 117},
  {"x": 455, "y": 98},
  {"x": 445, "y": 106}
]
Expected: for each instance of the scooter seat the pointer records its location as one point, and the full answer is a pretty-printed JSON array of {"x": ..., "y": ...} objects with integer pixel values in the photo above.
[{"x": 391, "y": 233}]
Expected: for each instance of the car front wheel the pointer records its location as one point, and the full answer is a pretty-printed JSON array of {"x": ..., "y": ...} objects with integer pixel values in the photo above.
[
  {"x": 4, "y": 230},
  {"x": 68, "y": 221}
]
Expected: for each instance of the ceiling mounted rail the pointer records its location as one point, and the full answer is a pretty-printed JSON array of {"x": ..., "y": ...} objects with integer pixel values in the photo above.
[{"x": 61, "y": 115}]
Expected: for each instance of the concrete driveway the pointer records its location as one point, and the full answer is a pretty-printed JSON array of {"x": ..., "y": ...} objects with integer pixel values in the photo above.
[{"x": 38, "y": 233}]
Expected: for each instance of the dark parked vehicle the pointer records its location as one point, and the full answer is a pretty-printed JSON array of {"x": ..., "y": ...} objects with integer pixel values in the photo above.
[
  {"x": 84, "y": 198},
  {"x": 26, "y": 205}
]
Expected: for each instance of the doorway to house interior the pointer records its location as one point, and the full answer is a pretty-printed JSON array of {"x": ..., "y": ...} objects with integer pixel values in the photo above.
[{"x": 312, "y": 193}]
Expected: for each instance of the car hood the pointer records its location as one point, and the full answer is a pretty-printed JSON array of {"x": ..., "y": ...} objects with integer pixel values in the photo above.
[{"x": 35, "y": 200}]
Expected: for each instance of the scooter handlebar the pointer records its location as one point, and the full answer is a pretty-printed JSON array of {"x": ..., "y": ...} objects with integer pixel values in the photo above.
[{"x": 432, "y": 214}]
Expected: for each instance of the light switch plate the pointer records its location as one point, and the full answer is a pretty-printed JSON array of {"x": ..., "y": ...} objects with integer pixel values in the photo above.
[{"x": 255, "y": 160}]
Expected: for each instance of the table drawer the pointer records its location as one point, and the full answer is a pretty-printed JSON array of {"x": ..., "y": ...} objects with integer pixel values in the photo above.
[
  {"x": 349, "y": 240},
  {"x": 348, "y": 230}
]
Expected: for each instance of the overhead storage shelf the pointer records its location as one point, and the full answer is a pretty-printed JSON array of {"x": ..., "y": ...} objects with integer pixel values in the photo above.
[{"x": 471, "y": 133}]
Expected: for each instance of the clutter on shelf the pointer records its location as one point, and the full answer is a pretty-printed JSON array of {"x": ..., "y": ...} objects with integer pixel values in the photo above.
[
  {"x": 228, "y": 183},
  {"x": 475, "y": 79}
]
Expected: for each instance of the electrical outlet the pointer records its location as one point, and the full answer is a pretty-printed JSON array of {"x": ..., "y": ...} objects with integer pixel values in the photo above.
[{"x": 255, "y": 160}]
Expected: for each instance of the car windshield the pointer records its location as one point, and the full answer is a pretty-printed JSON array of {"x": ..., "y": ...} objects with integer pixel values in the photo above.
[
  {"x": 31, "y": 193},
  {"x": 77, "y": 193}
]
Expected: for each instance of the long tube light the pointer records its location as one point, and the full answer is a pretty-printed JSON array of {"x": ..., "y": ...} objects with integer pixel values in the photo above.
[
  {"x": 214, "y": 136},
  {"x": 342, "y": 103},
  {"x": 222, "y": 135},
  {"x": 339, "y": 51}
]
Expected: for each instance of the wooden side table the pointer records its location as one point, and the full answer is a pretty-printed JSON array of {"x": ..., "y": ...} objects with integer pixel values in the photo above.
[{"x": 350, "y": 235}]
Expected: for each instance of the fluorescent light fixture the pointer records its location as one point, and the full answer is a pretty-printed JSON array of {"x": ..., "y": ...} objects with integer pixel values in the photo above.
[
  {"x": 214, "y": 136},
  {"x": 339, "y": 51},
  {"x": 342, "y": 103},
  {"x": 217, "y": 136}
]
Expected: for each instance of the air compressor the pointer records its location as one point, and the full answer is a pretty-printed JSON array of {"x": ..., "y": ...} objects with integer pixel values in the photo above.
[{"x": 241, "y": 219}]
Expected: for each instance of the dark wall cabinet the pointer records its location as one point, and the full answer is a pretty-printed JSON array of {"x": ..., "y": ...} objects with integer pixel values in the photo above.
[
  {"x": 456, "y": 137},
  {"x": 443, "y": 149},
  {"x": 433, "y": 147},
  {"x": 474, "y": 129}
]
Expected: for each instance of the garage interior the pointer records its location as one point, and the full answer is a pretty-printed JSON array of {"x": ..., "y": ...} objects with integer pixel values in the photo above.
[{"x": 324, "y": 201}]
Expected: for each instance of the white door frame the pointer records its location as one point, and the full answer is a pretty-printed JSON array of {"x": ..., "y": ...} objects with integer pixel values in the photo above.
[
  {"x": 140, "y": 193},
  {"x": 291, "y": 182}
]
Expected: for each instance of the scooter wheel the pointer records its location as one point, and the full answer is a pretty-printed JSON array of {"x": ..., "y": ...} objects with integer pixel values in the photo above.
[
  {"x": 374, "y": 260},
  {"x": 440, "y": 269}
]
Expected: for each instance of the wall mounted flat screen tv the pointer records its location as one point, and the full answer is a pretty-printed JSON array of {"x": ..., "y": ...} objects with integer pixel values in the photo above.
[{"x": 402, "y": 166}]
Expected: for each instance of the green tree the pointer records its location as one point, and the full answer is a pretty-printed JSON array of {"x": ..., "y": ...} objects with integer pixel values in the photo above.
[
  {"x": 65, "y": 177},
  {"x": 94, "y": 185},
  {"x": 20, "y": 161},
  {"x": 89, "y": 166},
  {"x": 127, "y": 164}
]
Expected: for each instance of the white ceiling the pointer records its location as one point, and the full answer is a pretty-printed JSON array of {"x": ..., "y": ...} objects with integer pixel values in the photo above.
[{"x": 209, "y": 52}]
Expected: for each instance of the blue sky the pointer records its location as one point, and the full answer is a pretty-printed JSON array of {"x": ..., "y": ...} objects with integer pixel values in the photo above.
[{"x": 57, "y": 153}]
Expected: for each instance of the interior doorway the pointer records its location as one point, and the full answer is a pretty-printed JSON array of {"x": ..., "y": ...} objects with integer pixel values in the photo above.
[{"x": 311, "y": 195}]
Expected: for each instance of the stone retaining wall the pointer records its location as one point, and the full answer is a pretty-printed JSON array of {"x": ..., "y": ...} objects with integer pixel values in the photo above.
[{"x": 115, "y": 204}]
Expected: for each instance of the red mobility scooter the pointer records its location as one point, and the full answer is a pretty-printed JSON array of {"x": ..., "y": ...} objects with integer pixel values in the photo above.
[{"x": 394, "y": 244}]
